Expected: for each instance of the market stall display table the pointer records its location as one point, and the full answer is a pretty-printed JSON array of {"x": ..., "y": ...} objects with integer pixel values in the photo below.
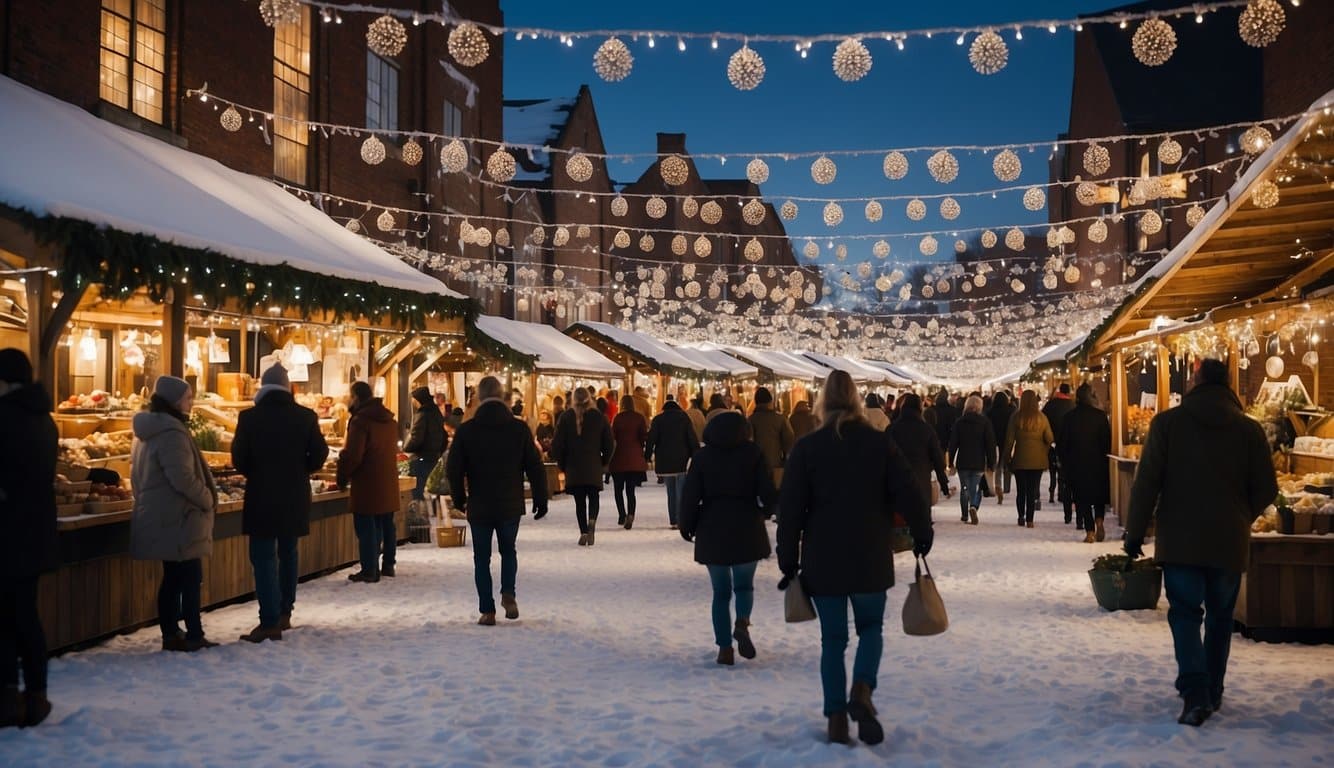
[{"x": 1288, "y": 592}]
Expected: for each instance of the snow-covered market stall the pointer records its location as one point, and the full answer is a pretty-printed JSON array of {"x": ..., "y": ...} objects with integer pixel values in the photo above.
[{"x": 659, "y": 368}]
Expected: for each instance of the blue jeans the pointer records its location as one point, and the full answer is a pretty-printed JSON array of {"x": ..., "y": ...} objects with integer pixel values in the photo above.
[
  {"x": 868, "y": 614},
  {"x": 374, "y": 532},
  {"x": 970, "y": 493},
  {"x": 676, "y": 485},
  {"x": 1198, "y": 595},
  {"x": 506, "y": 534},
  {"x": 729, "y": 579},
  {"x": 275, "y": 564},
  {"x": 420, "y": 467}
]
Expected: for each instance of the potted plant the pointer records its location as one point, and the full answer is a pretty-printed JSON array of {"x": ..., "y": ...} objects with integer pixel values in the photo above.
[{"x": 1123, "y": 584}]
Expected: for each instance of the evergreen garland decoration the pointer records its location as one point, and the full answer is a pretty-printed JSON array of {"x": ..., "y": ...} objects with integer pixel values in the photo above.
[
  {"x": 688, "y": 374},
  {"x": 497, "y": 350},
  {"x": 124, "y": 262}
]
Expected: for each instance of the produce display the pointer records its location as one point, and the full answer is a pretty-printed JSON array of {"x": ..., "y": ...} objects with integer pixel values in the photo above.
[
  {"x": 98, "y": 445},
  {"x": 1298, "y": 509},
  {"x": 101, "y": 492},
  {"x": 100, "y": 400},
  {"x": 231, "y": 489},
  {"x": 1320, "y": 445}
]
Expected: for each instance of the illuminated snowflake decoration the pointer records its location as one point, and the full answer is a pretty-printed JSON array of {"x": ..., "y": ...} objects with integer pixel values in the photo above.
[
  {"x": 851, "y": 60},
  {"x": 613, "y": 61}
]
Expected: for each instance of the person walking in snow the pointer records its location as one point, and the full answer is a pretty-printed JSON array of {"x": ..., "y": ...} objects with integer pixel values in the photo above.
[
  {"x": 1027, "y": 441},
  {"x": 1055, "y": 409},
  {"x": 918, "y": 442},
  {"x": 1082, "y": 443},
  {"x": 582, "y": 449},
  {"x": 491, "y": 455},
  {"x": 697, "y": 418},
  {"x": 972, "y": 451},
  {"x": 771, "y": 432},
  {"x": 1205, "y": 475},
  {"x": 1002, "y": 409},
  {"x": 369, "y": 463},
  {"x": 875, "y": 412},
  {"x": 728, "y": 493},
  {"x": 802, "y": 420},
  {"x": 843, "y": 484},
  {"x": 671, "y": 444},
  {"x": 426, "y": 443},
  {"x": 629, "y": 432}
]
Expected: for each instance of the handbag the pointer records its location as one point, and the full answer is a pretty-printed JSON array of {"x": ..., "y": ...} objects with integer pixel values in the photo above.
[
  {"x": 797, "y": 606},
  {"x": 924, "y": 611}
]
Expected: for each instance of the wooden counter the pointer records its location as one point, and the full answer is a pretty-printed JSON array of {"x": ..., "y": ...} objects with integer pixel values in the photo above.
[
  {"x": 1288, "y": 592},
  {"x": 1300, "y": 463},
  {"x": 100, "y": 590}
]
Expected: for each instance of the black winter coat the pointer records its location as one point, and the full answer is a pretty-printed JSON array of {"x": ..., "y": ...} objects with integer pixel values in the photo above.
[
  {"x": 277, "y": 446},
  {"x": 492, "y": 453},
  {"x": 1206, "y": 473},
  {"x": 28, "y": 447},
  {"x": 1083, "y": 442},
  {"x": 972, "y": 443},
  {"x": 943, "y": 416},
  {"x": 837, "y": 509},
  {"x": 999, "y": 416},
  {"x": 918, "y": 442},
  {"x": 671, "y": 438},
  {"x": 427, "y": 437},
  {"x": 729, "y": 491},
  {"x": 583, "y": 455},
  {"x": 1055, "y": 410}
]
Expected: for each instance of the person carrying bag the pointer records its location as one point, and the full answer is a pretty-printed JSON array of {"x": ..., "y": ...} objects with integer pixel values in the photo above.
[{"x": 924, "y": 610}]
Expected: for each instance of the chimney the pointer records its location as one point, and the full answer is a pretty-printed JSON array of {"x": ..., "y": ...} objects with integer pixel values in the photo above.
[{"x": 671, "y": 143}]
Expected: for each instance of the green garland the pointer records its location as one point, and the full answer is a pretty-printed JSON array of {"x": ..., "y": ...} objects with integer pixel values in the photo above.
[
  {"x": 498, "y": 350},
  {"x": 688, "y": 374},
  {"x": 124, "y": 262}
]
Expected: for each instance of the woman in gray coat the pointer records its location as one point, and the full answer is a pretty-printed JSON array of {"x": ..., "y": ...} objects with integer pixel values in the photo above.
[{"x": 174, "y": 502}]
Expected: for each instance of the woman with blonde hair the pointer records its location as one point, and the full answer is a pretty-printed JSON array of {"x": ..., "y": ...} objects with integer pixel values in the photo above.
[
  {"x": 582, "y": 448},
  {"x": 629, "y": 431},
  {"x": 842, "y": 485},
  {"x": 972, "y": 451},
  {"x": 1027, "y": 440}
]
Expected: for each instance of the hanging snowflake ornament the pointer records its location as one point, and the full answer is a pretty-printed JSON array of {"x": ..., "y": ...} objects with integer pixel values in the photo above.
[
  {"x": 583, "y": 231},
  {"x": 411, "y": 153},
  {"x": 690, "y": 207},
  {"x": 810, "y": 250},
  {"x": 1049, "y": 282},
  {"x": 385, "y": 221},
  {"x": 988, "y": 53},
  {"x": 501, "y": 166},
  {"x": 386, "y": 36},
  {"x": 230, "y": 119},
  {"x": 949, "y": 209},
  {"x": 745, "y": 69},
  {"x": 851, "y": 60},
  {"x": 833, "y": 214},
  {"x": 1097, "y": 232},
  {"x": 1154, "y": 42},
  {"x": 353, "y": 226},
  {"x": 578, "y": 167},
  {"x": 655, "y": 207},
  {"x": 703, "y": 247},
  {"x": 1086, "y": 192},
  {"x": 1194, "y": 214},
  {"x": 711, "y": 213},
  {"x": 881, "y": 249},
  {"x": 537, "y": 236},
  {"x": 467, "y": 44},
  {"x": 560, "y": 237},
  {"x": 674, "y": 169},
  {"x": 753, "y": 250},
  {"x": 1256, "y": 139},
  {"x": 1150, "y": 223},
  {"x": 1072, "y": 274},
  {"x": 753, "y": 213},
  {"x": 928, "y": 246},
  {"x": 1006, "y": 165},
  {"x": 1265, "y": 194},
  {"x": 1097, "y": 160},
  {"x": 372, "y": 150},
  {"x": 1067, "y": 235},
  {"x": 454, "y": 157},
  {"x": 960, "y": 246},
  {"x": 619, "y": 206},
  {"x": 1035, "y": 199},
  {"x": 788, "y": 211},
  {"x": 646, "y": 243},
  {"x": 503, "y": 237},
  {"x": 279, "y": 12},
  {"x": 757, "y": 171},
  {"x": 613, "y": 61},
  {"x": 1014, "y": 239},
  {"x": 916, "y": 210},
  {"x": 895, "y": 166},
  {"x": 988, "y": 239},
  {"x": 874, "y": 211},
  {"x": 482, "y": 237},
  {"x": 1261, "y": 22},
  {"x": 680, "y": 245},
  {"x": 943, "y": 166},
  {"x": 823, "y": 170},
  {"x": 1169, "y": 152},
  {"x": 621, "y": 239}
]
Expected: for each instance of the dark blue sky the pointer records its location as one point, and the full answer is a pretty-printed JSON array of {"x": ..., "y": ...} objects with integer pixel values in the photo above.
[{"x": 927, "y": 94}]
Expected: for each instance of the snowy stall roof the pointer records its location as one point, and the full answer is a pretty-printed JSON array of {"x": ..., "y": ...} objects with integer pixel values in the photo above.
[
  {"x": 64, "y": 162},
  {"x": 535, "y": 122},
  {"x": 859, "y": 371},
  {"x": 549, "y": 350},
  {"x": 718, "y": 359},
  {"x": 641, "y": 347},
  {"x": 776, "y": 363},
  {"x": 906, "y": 376}
]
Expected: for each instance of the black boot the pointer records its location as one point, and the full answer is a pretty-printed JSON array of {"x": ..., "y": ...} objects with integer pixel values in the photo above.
[
  {"x": 838, "y": 728},
  {"x": 11, "y": 707},
  {"x": 741, "y": 634},
  {"x": 1195, "y": 710},
  {"x": 861, "y": 710},
  {"x": 35, "y": 708}
]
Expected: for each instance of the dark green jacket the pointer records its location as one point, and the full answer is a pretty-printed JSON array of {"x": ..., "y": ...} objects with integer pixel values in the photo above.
[{"x": 1206, "y": 473}]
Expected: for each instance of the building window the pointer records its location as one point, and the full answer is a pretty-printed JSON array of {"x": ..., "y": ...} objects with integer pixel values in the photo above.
[
  {"x": 381, "y": 93},
  {"x": 291, "y": 98},
  {"x": 134, "y": 55},
  {"x": 452, "y": 124}
]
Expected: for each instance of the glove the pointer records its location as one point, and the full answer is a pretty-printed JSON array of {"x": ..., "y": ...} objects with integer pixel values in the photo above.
[
  {"x": 921, "y": 546},
  {"x": 461, "y": 505},
  {"x": 539, "y": 510},
  {"x": 1134, "y": 548},
  {"x": 787, "y": 579},
  {"x": 945, "y": 491},
  {"x": 687, "y": 535}
]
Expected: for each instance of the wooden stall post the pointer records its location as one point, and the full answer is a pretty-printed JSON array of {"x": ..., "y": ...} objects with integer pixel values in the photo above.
[
  {"x": 1117, "y": 408},
  {"x": 1072, "y": 370},
  {"x": 173, "y": 333},
  {"x": 1164, "y": 378},
  {"x": 1233, "y": 370}
]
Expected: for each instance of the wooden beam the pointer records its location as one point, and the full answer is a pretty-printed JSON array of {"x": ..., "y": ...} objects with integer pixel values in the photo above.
[
  {"x": 37, "y": 286},
  {"x": 1164, "y": 378},
  {"x": 1233, "y": 370},
  {"x": 1116, "y": 380},
  {"x": 173, "y": 334},
  {"x": 424, "y": 367},
  {"x": 406, "y": 348},
  {"x": 1310, "y": 273}
]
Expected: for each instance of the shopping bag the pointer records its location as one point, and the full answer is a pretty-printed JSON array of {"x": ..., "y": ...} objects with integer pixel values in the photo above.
[
  {"x": 924, "y": 611},
  {"x": 797, "y": 605}
]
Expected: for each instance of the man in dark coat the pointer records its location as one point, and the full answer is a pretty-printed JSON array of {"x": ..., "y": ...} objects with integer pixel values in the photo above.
[
  {"x": 492, "y": 454},
  {"x": 919, "y": 444},
  {"x": 1207, "y": 472},
  {"x": 671, "y": 439},
  {"x": 1055, "y": 409},
  {"x": 369, "y": 462},
  {"x": 802, "y": 420},
  {"x": 772, "y": 432},
  {"x": 999, "y": 414},
  {"x": 1083, "y": 443},
  {"x": 943, "y": 416},
  {"x": 426, "y": 440},
  {"x": 277, "y": 446},
  {"x": 27, "y": 536}
]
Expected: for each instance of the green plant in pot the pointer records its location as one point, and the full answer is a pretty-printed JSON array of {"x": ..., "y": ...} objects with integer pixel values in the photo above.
[{"x": 1121, "y": 583}]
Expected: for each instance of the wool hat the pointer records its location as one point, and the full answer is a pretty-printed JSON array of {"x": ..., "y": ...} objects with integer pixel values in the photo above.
[
  {"x": 15, "y": 367},
  {"x": 276, "y": 375},
  {"x": 170, "y": 388},
  {"x": 422, "y": 395},
  {"x": 763, "y": 396}
]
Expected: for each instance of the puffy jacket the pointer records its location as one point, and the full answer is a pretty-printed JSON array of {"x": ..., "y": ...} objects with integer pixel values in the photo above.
[
  {"x": 583, "y": 454},
  {"x": 1027, "y": 448},
  {"x": 29, "y": 544},
  {"x": 972, "y": 443},
  {"x": 174, "y": 495},
  {"x": 277, "y": 446},
  {"x": 728, "y": 492},
  {"x": 629, "y": 430},
  {"x": 1206, "y": 473},
  {"x": 772, "y": 432},
  {"x": 369, "y": 460},
  {"x": 491, "y": 455},
  {"x": 427, "y": 437},
  {"x": 671, "y": 439}
]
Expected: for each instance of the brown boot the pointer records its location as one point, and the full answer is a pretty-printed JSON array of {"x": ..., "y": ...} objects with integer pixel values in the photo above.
[
  {"x": 1088, "y": 537},
  {"x": 510, "y": 605},
  {"x": 726, "y": 656},
  {"x": 1098, "y": 533},
  {"x": 741, "y": 634},
  {"x": 862, "y": 711},
  {"x": 35, "y": 708},
  {"x": 285, "y": 621},
  {"x": 11, "y": 707},
  {"x": 838, "y": 728},
  {"x": 261, "y": 633},
  {"x": 487, "y": 620}
]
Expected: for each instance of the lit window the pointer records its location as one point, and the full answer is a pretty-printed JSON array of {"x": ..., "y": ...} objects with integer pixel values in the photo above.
[
  {"x": 134, "y": 55},
  {"x": 381, "y": 93},
  {"x": 291, "y": 98}
]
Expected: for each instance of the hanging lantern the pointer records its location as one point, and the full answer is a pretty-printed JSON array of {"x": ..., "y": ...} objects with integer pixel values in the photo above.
[
  {"x": 674, "y": 169},
  {"x": 646, "y": 243},
  {"x": 1006, "y": 166},
  {"x": 823, "y": 170},
  {"x": 810, "y": 250},
  {"x": 679, "y": 245},
  {"x": 943, "y": 166},
  {"x": 621, "y": 239},
  {"x": 385, "y": 221},
  {"x": 916, "y": 210},
  {"x": 411, "y": 154},
  {"x": 1097, "y": 231},
  {"x": 230, "y": 119},
  {"x": 1014, "y": 239},
  {"x": 372, "y": 150},
  {"x": 1261, "y": 22},
  {"x": 1035, "y": 199},
  {"x": 613, "y": 61},
  {"x": 386, "y": 36},
  {"x": 703, "y": 247},
  {"x": 690, "y": 207},
  {"x": 1169, "y": 152},
  {"x": 501, "y": 166},
  {"x": 1150, "y": 223},
  {"x": 753, "y": 251},
  {"x": 1265, "y": 194},
  {"x": 619, "y": 206},
  {"x": 655, "y": 207},
  {"x": 757, "y": 171},
  {"x": 1256, "y": 139},
  {"x": 711, "y": 213},
  {"x": 880, "y": 249},
  {"x": 949, "y": 209},
  {"x": 988, "y": 239},
  {"x": 851, "y": 60},
  {"x": 276, "y": 13},
  {"x": 833, "y": 214},
  {"x": 745, "y": 69},
  {"x": 752, "y": 212},
  {"x": 874, "y": 211},
  {"x": 560, "y": 237},
  {"x": 988, "y": 54},
  {"x": 928, "y": 246},
  {"x": 467, "y": 44},
  {"x": 1194, "y": 214},
  {"x": 1097, "y": 160},
  {"x": 454, "y": 157},
  {"x": 578, "y": 167},
  {"x": 895, "y": 166},
  {"x": 1154, "y": 42},
  {"x": 1086, "y": 192},
  {"x": 789, "y": 211}
]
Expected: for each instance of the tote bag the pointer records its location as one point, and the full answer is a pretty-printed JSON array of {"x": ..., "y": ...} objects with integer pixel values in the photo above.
[
  {"x": 797, "y": 605},
  {"x": 924, "y": 611}
]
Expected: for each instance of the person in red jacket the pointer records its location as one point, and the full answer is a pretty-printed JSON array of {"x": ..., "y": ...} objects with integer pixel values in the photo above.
[
  {"x": 628, "y": 468},
  {"x": 369, "y": 462}
]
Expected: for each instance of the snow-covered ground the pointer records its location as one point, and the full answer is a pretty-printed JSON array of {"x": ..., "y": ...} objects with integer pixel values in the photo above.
[{"x": 612, "y": 663}]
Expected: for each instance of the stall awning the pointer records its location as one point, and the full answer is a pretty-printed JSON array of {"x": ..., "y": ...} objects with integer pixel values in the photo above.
[
  {"x": 777, "y": 364},
  {"x": 549, "y": 350},
  {"x": 861, "y": 372},
  {"x": 720, "y": 360},
  {"x": 63, "y": 163},
  {"x": 642, "y": 349}
]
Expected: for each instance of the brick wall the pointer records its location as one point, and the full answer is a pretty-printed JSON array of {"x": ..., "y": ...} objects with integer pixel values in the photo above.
[{"x": 1299, "y": 67}]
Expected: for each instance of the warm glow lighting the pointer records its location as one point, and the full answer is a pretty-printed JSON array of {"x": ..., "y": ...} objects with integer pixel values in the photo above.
[{"x": 88, "y": 346}]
